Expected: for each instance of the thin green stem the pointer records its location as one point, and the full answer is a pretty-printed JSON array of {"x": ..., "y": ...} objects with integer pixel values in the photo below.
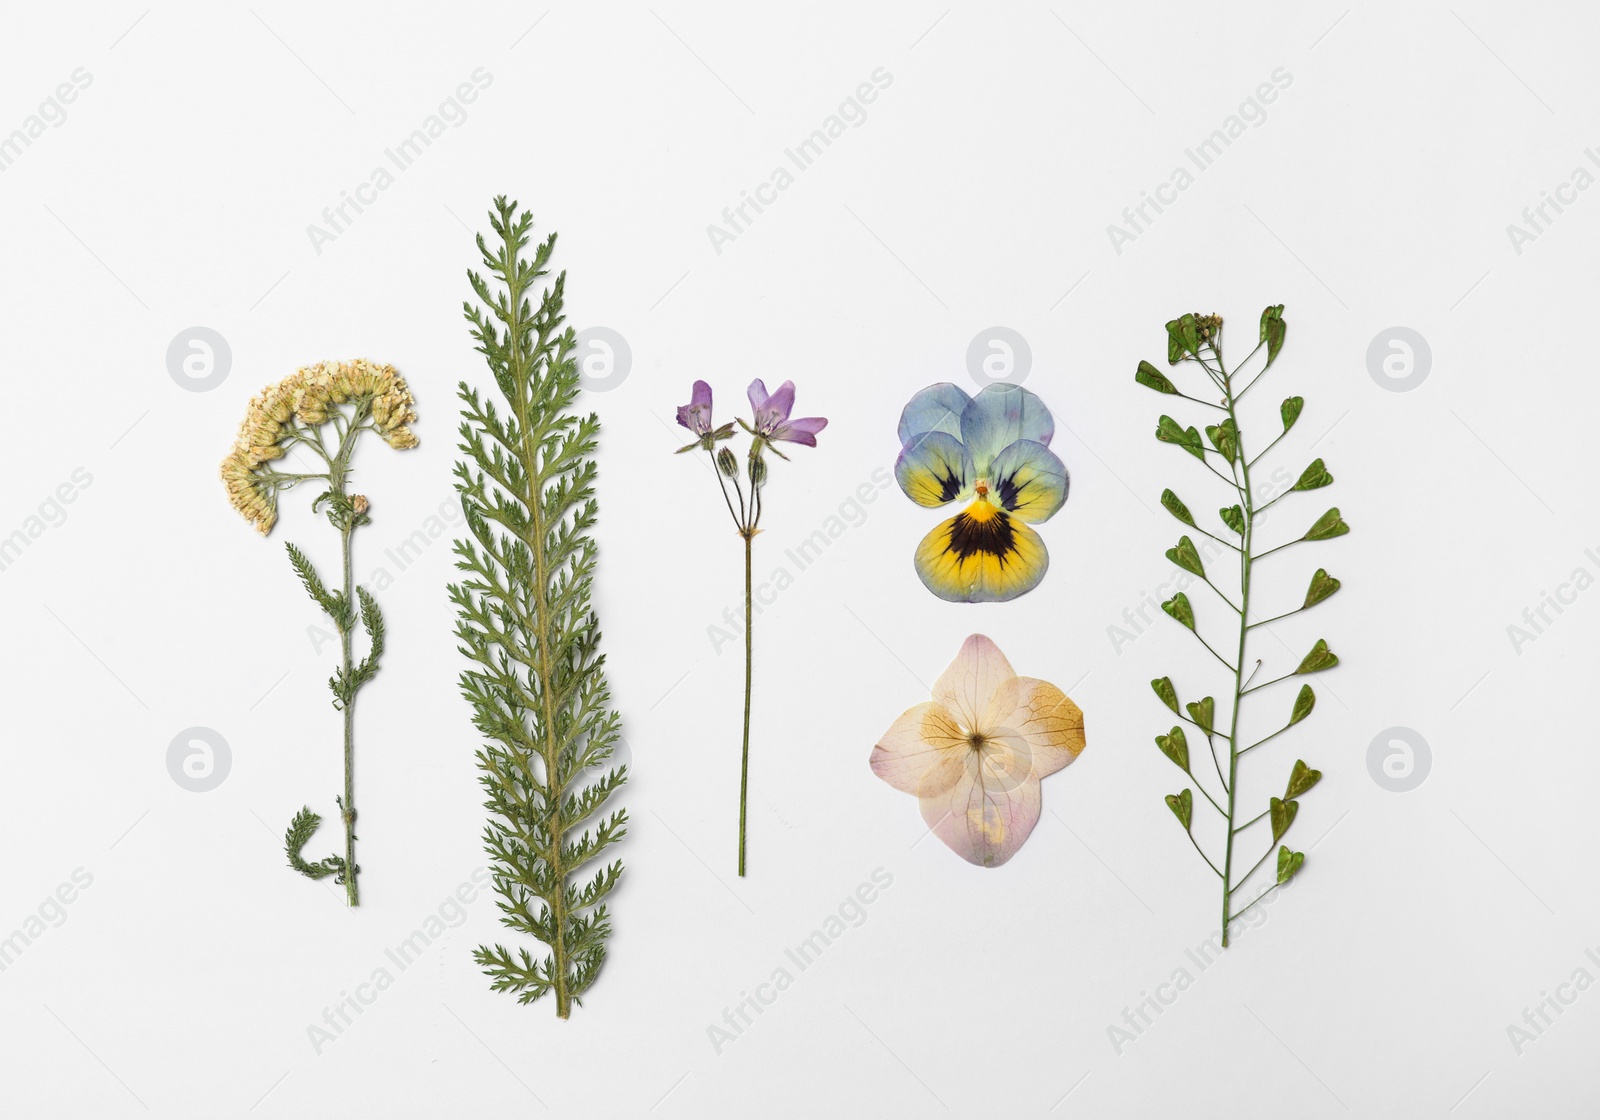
[
  {"x": 348, "y": 807},
  {"x": 1220, "y": 595},
  {"x": 1219, "y": 474},
  {"x": 338, "y": 475},
  {"x": 1213, "y": 536},
  {"x": 1273, "y": 681},
  {"x": 1252, "y": 820},
  {"x": 1268, "y": 739},
  {"x": 1257, "y": 899},
  {"x": 1275, "y": 501},
  {"x": 1204, "y": 794},
  {"x": 1213, "y": 652},
  {"x": 723, "y": 486},
  {"x": 1279, "y": 548},
  {"x": 1203, "y": 855},
  {"x": 1276, "y": 617},
  {"x": 1241, "y": 485},
  {"x": 744, "y": 762},
  {"x": 1245, "y": 878},
  {"x": 1269, "y": 447},
  {"x": 1202, "y": 727},
  {"x": 1211, "y": 749}
]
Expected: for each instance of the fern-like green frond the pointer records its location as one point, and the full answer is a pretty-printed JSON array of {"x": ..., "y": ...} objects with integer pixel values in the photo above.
[{"x": 525, "y": 623}]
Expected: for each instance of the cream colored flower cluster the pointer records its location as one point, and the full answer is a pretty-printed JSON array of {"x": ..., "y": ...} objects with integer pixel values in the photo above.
[{"x": 310, "y": 395}]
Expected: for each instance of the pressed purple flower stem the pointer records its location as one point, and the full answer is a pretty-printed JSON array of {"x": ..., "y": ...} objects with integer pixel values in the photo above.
[
  {"x": 770, "y": 422},
  {"x": 744, "y": 762}
]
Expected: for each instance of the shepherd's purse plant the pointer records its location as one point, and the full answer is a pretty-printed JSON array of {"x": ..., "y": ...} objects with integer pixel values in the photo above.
[
  {"x": 1197, "y": 340},
  {"x": 525, "y": 621},
  {"x": 322, "y": 410}
]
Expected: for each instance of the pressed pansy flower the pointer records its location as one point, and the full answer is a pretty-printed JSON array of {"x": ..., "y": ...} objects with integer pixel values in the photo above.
[
  {"x": 974, "y": 755},
  {"x": 992, "y": 453}
]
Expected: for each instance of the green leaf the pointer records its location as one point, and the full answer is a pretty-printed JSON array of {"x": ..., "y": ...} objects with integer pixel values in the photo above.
[
  {"x": 372, "y": 619},
  {"x": 1290, "y": 411},
  {"x": 1288, "y": 863},
  {"x": 1178, "y": 607},
  {"x": 1320, "y": 658},
  {"x": 1322, "y": 586},
  {"x": 1183, "y": 337},
  {"x": 527, "y": 477},
  {"x": 1273, "y": 329},
  {"x": 1329, "y": 525},
  {"x": 300, "y": 830},
  {"x": 332, "y": 602},
  {"x": 1282, "y": 814},
  {"x": 1233, "y": 518},
  {"x": 1301, "y": 778},
  {"x": 1313, "y": 477},
  {"x": 1182, "y": 806},
  {"x": 1152, "y": 378},
  {"x": 1187, "y": 557},
  {"x": 1225, "y": 438},
  {"x": 1202, "y": 712},
  {"x": 1163, "y": 688},
  {"x": 1169, "y": 430},
  {"x": 1176, "y": 747},
  {"x": 1303, "y": 704},
  {"x": 1176, "y": 507}
]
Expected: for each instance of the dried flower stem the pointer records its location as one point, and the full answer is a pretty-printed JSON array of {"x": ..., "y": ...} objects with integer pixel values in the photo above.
[{"x": 351, "y": 398}]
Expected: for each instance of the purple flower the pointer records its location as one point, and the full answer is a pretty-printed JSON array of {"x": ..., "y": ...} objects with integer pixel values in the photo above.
[
  {"x": 772, "y": 415},
  {"x": 696, "y": 415}
]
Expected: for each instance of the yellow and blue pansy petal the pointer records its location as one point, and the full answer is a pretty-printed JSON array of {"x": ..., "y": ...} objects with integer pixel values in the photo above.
[
  {"x": 938, "y": 408},
  {"x": 1029, "y": 481},
  {"x": 981, "y": 555},
  {"x": 999, "y": 416},
  {"x": 934, "y": 469}
]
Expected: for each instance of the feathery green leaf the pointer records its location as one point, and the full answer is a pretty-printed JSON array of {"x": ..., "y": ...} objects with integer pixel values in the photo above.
[{"x": 526, "y": 625}]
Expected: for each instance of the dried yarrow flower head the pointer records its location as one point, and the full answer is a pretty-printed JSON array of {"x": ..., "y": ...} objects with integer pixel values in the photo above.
[
  {"x": 281, "y": 415},
  {"x": 323, "y": 409}
]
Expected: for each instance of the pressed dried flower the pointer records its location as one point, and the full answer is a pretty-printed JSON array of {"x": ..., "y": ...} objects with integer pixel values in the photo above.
[{"x": 346, "y": 399}]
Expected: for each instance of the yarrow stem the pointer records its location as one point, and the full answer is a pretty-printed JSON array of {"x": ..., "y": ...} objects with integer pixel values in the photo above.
[{"x": 351, "y": 397}]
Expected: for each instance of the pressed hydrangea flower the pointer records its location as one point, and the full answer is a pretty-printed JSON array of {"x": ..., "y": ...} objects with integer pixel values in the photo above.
[
  {"x": 975, "y": 754},
  {"x": 991, "y": 452}
]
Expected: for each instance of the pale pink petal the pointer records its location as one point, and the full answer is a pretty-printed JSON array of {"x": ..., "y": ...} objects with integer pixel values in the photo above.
[
  {"x": 922, "y": 752},
  {"x": 988, "y": 813},
  {"x": 1037, "y": 723},
  {"x": 967, "y": 686}
]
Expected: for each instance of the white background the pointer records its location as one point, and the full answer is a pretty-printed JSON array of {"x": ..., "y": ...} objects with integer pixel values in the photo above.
[{"x": 978, "y": 191}]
